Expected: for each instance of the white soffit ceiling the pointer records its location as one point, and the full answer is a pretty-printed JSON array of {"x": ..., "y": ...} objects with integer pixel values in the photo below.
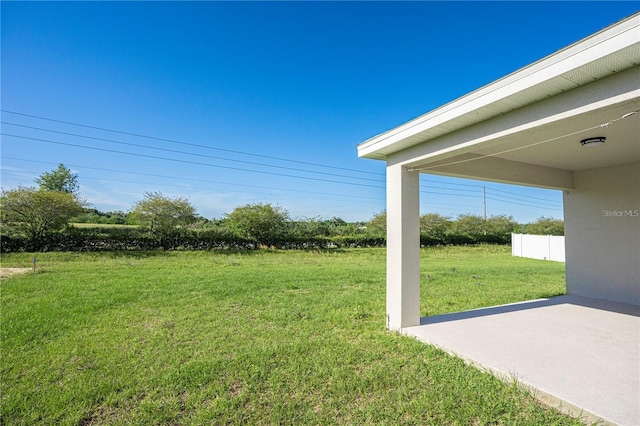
[{"x": 557, "y": 145}]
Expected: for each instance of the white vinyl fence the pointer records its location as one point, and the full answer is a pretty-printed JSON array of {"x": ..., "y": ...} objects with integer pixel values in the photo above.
[{"x": 543, "y": 247}]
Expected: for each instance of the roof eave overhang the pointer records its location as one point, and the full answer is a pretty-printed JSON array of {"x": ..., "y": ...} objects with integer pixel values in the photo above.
[{"x": 604, "y": 53}]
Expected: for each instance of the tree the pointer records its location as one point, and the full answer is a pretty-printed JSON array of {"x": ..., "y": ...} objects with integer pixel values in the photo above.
[
  {"x": 545, "y": 226},
  {"x": 96, "y": 216},
  {"x": 163, "y": 214},
  {"x": 37, "y": 211},
  {"x": 469, "y": 225},
  {"x": 434, "y": 225},
  {"x": 59, "y": 180},
  {"x": 309, "y": 227},
  {"x": 378, "y": 224},
  {"x": 259, "y": 221},
  {"x": 501, "y": 227}
]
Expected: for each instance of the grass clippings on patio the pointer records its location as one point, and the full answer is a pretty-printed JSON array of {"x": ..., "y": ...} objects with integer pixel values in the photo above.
[{"x": 262, "y": 337}]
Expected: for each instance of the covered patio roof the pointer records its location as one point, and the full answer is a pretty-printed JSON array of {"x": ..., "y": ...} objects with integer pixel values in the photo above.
[{"x": 526, "y": 128}]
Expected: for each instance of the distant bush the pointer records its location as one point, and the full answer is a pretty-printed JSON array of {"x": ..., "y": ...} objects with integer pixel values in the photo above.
[
  {"x": 115, "y": 239},
  {"x": 311, "y": 234},
  {"x": 13, "y": 243},
  {"x": 98, "y": 217},
  {"x": 545, "y": 226}
]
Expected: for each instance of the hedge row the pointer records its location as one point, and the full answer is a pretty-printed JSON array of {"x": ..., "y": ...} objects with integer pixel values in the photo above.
[{"x": 115, "y": 239}]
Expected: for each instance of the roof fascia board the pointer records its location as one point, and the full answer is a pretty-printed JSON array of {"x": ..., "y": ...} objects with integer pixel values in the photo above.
[{"x": 599, "y": 45}]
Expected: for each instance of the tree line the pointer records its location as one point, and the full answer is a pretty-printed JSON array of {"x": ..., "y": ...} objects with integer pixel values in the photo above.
[{"x": 44, "y": 217}]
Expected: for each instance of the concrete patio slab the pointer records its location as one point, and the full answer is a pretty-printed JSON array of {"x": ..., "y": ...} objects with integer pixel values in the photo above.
[{"x": 577, "y": 354}]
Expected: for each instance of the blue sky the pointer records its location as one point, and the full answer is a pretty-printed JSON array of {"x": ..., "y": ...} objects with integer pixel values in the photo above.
[{"x": 231, "y": 103}]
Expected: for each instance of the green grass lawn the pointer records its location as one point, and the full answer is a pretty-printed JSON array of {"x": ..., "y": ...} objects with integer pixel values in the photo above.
[{"x": 261, "y": 337}]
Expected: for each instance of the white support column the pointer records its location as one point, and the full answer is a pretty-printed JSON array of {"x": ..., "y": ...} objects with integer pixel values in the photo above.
[{"x": 403, "y": 247}]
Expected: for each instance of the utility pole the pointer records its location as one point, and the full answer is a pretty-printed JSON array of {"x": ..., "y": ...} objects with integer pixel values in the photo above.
[{"x": 484, "y": 201}]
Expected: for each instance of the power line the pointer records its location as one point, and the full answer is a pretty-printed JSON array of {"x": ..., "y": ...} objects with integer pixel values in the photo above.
[
  {"x": 453, "y": 189},
  {"x": 228, "y": 183},
  {"x": 523, "y": 196},
  {"x": 449, "y": 189},
  {"x": 224, "y": 190},
  {"x": 515, "y": 196},
  {"x": 520, "y": 197},
  {"x": 186, "y": 179},
  {"x": 458, "y": 206},
  {"x": 453, "y": 183},
  {"x": 189, "y": 162},
  {"x": 527, "y": 205},
  {"x": 188, "y": 143},
  {"x": 188, "y": 153},
  {"x": 227, "y": 159},
  {"x": 365, "y": 200},
  {"x": 256, "y": 186},
  {"x": 454, "y": 195},
  {"x": 537, "y": 203}
]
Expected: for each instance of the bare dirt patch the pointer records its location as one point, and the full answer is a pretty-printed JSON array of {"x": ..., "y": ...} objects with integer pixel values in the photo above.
[{"x": 7, "y": 272}]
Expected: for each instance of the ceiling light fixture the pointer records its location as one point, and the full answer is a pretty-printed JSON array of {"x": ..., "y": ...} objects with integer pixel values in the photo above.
[{"x": 593, "y": 141}]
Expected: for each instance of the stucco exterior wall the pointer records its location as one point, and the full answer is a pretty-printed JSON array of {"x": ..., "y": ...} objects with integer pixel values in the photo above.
[{"x": 602, "y": 234}]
